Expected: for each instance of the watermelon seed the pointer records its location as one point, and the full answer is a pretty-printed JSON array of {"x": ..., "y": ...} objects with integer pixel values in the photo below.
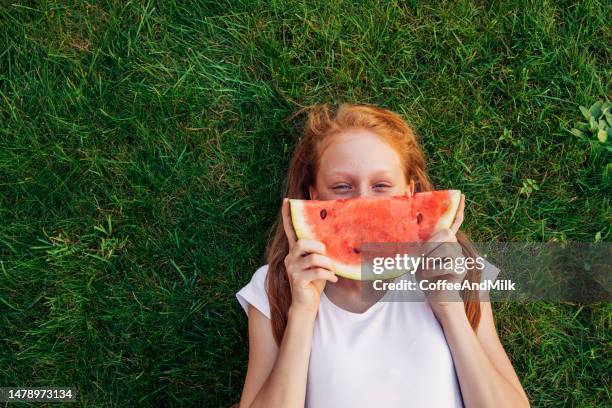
[
  {"x": 419, "y": 218},
  {"x": 323, "y": 213},
  {"x": 355, "y": 250}
]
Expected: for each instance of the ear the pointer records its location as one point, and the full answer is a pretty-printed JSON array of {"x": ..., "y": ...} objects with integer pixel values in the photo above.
[
  {"x": 410, "y": 188},
  {"x": 312, "y": 192}
]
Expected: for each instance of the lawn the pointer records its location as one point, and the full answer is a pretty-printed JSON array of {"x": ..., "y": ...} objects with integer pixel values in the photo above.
[{"x": 143, "y": 146}]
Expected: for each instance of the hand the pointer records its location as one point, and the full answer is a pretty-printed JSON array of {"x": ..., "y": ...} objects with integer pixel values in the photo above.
[
  {"x": 443, "y": 245},
  {"x": 308, "y": 269}
]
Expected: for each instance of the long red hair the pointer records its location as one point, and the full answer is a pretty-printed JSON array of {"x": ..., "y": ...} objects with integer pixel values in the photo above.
[{"x": 321, "y": 124}]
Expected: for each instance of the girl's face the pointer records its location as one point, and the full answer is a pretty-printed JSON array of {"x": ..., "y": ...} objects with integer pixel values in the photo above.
[{"x": 358, "y": 163}]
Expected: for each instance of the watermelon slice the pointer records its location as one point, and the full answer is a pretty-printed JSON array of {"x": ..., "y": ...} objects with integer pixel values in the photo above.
[{"x": 343, "y": 225}]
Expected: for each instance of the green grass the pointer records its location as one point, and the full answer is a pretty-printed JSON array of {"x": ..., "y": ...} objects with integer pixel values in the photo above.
[{"x": 143, "y": 147}]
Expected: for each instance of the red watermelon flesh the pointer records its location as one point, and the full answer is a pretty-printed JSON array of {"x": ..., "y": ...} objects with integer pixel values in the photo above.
[{"x": 343, "y": 225}]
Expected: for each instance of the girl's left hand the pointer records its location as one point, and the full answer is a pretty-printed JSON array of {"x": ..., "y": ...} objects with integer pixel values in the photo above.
[{"x": 445, "y": 246}]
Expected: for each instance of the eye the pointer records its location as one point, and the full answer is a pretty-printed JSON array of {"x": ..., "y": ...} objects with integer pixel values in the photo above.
[
  {"x": 379, "y": 186},
  {"x": 341, "y": 187}
]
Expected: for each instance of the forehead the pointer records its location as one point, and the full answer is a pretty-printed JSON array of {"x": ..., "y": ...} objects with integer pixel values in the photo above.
[{"x": 358, "y": 148}]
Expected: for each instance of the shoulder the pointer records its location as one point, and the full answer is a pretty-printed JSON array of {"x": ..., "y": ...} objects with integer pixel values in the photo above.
[
  {"x": 254, "y": 293},
  {"x": 489, "y": 270},
  {"x": 258, "y": 280},
  {"x": 260, "y": 274}
]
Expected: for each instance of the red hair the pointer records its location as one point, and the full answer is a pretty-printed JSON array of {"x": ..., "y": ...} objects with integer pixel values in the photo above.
[{"x": 320, "y": 126}]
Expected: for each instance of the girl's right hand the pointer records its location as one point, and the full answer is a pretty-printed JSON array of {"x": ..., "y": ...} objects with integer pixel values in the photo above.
[{"x": 308, "y": 269}]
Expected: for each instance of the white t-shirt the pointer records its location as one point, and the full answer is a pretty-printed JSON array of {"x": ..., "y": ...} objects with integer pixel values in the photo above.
[{"x": 392, "y": 355}]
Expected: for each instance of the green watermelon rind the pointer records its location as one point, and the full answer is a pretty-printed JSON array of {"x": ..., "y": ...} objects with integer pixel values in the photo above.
[
  {"x": 447, "y": 219},
  {"x": 353, "y": 272}
]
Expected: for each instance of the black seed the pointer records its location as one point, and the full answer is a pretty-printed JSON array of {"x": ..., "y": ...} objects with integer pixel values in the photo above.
[
  {"x": 323, "y": 213},
  {"x": 419, "y": 218},
  {"x": 355, "y": 250}
]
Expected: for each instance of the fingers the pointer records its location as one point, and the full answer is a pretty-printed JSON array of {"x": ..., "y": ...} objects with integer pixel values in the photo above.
[
  {"x": 442, "y": 268},
  {"x": 447, "y": 250},
  {"x": 459, "y": 215},
  {"x": 309, "y": 275},
  {"x": 308, "y": 253},
  {"x": 444, "y": 260},
  {"x": 307, "y": 246},
  {"x": 287, "y": 224},
  {"x": 307, "y": 262},
  {"x": 443, "y": 236},
  {"x": 316, "y": 261},
  {"x": 435, "y": 274},
  {"x": 301, "y": 249}
]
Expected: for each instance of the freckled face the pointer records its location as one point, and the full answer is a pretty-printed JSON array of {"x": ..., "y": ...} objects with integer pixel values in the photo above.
[{"x": 358, "y": 163}]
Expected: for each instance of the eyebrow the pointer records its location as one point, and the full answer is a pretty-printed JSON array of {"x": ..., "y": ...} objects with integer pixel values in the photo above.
[{"x": 376, "y": 173}]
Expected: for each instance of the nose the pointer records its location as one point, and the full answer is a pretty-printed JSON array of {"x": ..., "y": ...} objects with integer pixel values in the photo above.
[{"x": 363, "y": 191}]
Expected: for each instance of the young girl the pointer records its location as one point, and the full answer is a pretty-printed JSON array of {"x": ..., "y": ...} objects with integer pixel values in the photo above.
[{"x": 315, "y": 341}]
